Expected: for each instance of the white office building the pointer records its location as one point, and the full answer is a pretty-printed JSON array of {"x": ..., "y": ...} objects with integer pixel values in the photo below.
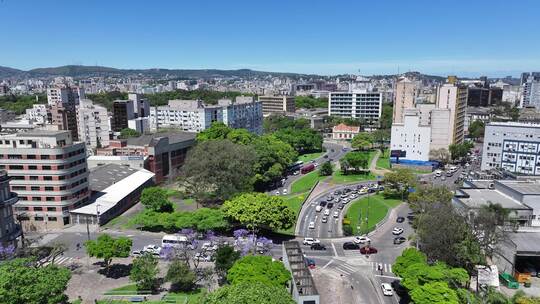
[
  {"x": 513, "y": 147},
  {"x": 93, "y": 124},
  {"x": 37, "y": 114},
  {"x": 140, "y": 124},
  {"x": 195, "y": 116},
  {"x": 365, "y": 104},
  {"x": 411, "y": 136},
  {"x": 65, "y": 95},
  {"x": 530, "y": 85}
]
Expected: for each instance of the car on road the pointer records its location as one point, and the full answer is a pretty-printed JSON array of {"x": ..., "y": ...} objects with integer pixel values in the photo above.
[
  {"x": 344, "y": 195},
  {"x": 324, "y": 219},
  {"x": 336, "y": 214},
  {"x": 153, "y": 249},
  {"x": 345, "y": 200},
  {"x": 337, "y": 192},
  {"x": 329, "y": 198},
  {"x": 318, "y": 209},
  {"x": 325, "y": 156},
  {"x": 350, "y": 246},
  {"x": 399, "y": 240},
  {"x": 322, "y": 203},
  {"x": 397, "y": 231},
  {"x": 438, "y": 173},
  {"x": 387, "y": 289},
  {"x": 284, "y": 191},
  {"x": 310, "y": 241},
  {"x": 400, "y": 219},
  {"x": 318, "y": 246},
  {"x": 203, "y": 257},
  {"x": 341, "y": 206},
  {"x": 361, "y": 240},
  {"x": 311, "y": 225},
  {"x": 368, "y": 250},
  {"x": 209, "y": 246},
  {"x": 330, "y": 205},
  {"x": 310, "y": 263},
  {"x": 277, "y": 192},
  {"x": 326, "y": 212}
]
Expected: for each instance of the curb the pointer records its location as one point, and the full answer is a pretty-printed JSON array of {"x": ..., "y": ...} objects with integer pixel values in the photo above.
[{"x": 296, "y": 227}]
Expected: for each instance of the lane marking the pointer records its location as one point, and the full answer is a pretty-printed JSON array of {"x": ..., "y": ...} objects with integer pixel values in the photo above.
[
  {"x": 388, "y": 277},
  {"x": 335, "y": 251},
  {"x": 326, "y": 265}
]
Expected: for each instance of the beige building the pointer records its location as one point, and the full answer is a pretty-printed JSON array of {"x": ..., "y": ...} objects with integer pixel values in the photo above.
[
  {"x": 404, "y": 98},
  {"x": 344, "y": 132},
  {"x": 277, "y": 104},
  {"x": 453, "y": 96}
]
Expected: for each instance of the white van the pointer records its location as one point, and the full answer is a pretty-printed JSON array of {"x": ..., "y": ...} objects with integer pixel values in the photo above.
[{"x": 174, "y": 240}]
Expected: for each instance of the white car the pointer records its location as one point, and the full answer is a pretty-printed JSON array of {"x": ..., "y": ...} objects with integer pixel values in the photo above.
[
  {"x": 324, "y": 219},
  {"x": 387, "y": 289},
  {"x": 318, "y": 208},
  {"x": 203, "y": 257},
  {"x": 327, "y": 212},
  {"x": 336, "y": 214},
  {"x": 438, "y": 173},
  {"x": 362, "y": 240},
  {"x": 397, "y": 231},
  {"x": 310, "y": 241},
  {"x": 284, "y": 191},
  {"x": 311, "y": 225},
  {"x": 153, "y": 249},
  {"x": 345, "y": 200},
  {"x": 277, "y": 192},
  {"x": 209, "y": 246}
]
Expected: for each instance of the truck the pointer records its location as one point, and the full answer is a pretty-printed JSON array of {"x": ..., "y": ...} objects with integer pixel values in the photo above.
[{"x": 307, "y": 168}]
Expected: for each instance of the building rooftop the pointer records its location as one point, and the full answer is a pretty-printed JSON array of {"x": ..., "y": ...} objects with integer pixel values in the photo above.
[
  {"x": 523, "y": 187},
  {"x": 104, "y": 176},
  {"x": 300, "y": 272},
  {"x": 526, "y": 242},
  {"x": 482, "y": 197},
  {"x": 42, "y": 133},
  {"x": 344, "y": 128},
  {"x": 174, "y": 137},
  {"x": 513, "y": 124}
]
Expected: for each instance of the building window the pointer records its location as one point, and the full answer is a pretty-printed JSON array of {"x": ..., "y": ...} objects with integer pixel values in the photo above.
[
  {"x": 34, "y": 188},
  {"x": 52, "y": 209},
  {"x": 52, "y": 218},
  {"x": 38, "y": 219},
  {"x": 38, "y": 208}
]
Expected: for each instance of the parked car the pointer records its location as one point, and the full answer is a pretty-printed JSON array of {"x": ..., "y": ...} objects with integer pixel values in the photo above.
[
  {"x": 362, "y": 240},
  {"x": 399, "y": 240},
  {"x": 318, "y": 246},
  {"x": 311, "y": 225},
  {"x": 324, "y": 219},
  {"x": 387, "y": 289},
  {"x": 310, "y": 241},
  {"x": 397, "y": 231},
  {"x": 350, "y": 246},
  {"x": 368, "y": 250},
  {"x": 400, "y": 219},
  {"x": 153, "y": 249}
]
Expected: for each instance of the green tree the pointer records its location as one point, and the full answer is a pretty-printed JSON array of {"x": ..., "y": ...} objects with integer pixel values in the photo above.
[
  {"x": 476, "y": 129},
  {"x": 398, "y": 182},
  {"x": 380, "y": 136},
  {"x": 407, "y": 258},
  {"x": 107, "y": 248},
  {"x": 249, "y": 293},
  {"x": 217, "y": 130},
  {"x": 180, "y": 276},
  {"x": 302, "y": 140},
  {"x": 441, "y": 155},
  {"x": 260, "y": 210},
  {"x": 258, "y": 269},
  {"x": 156, "y": 199},
  {"x": 215, "y": 170},
  {"x": 144, "y": 271},
  {"x": 362, "y": 141},
  {"x": 241, "y": 136},
  {"x": 273, "y": 158},
  {"x": 224, "y": 259},
  {"x": 427, "y": 196},
  {"x": 21, "y": 282},
  {"x": 434, "y": 293},
  {"x": 308, "y": 102},
  {"x": 326, "y": 169},
  {"x": 127, "y": 133},
  {"x": 491, "y": 225},
  {"x": 385, "y": 121},
  {"x": 354, "y": 161},
  {"x": 458, "y": 151}
]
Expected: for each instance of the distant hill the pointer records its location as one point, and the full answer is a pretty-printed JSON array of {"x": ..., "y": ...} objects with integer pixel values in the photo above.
[{"x": 94, "y": 71}]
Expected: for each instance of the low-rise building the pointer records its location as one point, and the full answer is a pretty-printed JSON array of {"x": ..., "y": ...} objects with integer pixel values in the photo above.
[
  {"x": 6, "y": 115},
  {"x": 344, "y": 132},
  {"x": 37, "y": 114},
  {"x": 277, "y": 104},
  {"x": 410, "y": 137}
]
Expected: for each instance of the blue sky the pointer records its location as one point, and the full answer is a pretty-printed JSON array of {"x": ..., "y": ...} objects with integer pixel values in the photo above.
[{"x": 467, "y": 38}]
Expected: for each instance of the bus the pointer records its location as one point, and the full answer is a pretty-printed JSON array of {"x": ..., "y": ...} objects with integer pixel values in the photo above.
[
  {"x": 307, "y": 168},
  {"x": 174, "y": 240},
  {"x": 295, "y": 167}
]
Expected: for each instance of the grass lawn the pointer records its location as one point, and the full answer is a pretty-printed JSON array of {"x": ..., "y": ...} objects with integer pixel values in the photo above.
[
  {"x": 378, "y": 207},
  {"x": 383, "y": 161},
  {"x": 310, "y": 156},
  {"x": 305, "y": 182},
  {"x": 171, "y": 297},
  {"x": 295, "y": 203},
  {"x": 124, "y": 290},
  {"x": 339, "y": 178}
]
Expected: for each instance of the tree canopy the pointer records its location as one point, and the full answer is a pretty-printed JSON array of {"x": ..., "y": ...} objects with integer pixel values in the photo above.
[
  {"x": 202, "y": 219},
  {"x": 398, "y": 182},
  {"x": 434, "y": 293},
  {"x": 260, "y": 210},
  {"x": 476, "y": 129},
  {"x": 326, "y": 169},
  {"x": 308, "y": 102},
  {"x": 362, "y": 141},
  {"x": 182, "y": 278},
  {"x": 249, "y": 293},
  {"x": 156, "y": 199},
  {"x": 144, "y": 271},
  {"x": 225, "y": 257},
  {"x": 354, "y": 161},
  {"x": 106, "y": 247},
  {"x": 21, "y": 282},
  {"x": 128, "y": 133},
  {"x": 302, "y": 140},
  {"x": 215, "y": 170},
  {"x": 258, "y": 268}
]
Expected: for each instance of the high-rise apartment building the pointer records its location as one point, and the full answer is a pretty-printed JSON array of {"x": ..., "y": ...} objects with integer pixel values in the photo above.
[
  {"x": 405, "y": 94},
  {"x": 365, "y": 104},
  {"x": 530, "y": 90},
  {"x": 123, "y": 111},
  {"x": 49, "y": 174},
  {"x": 93, "y": 124},
  {"x": 277, "y": 104},
  {"x": 195, "y": 116},
  {"x": 453, "y": 96},
  {"x": 64, "y": 95},
  {"x": 9, "y": 231},
  {"x": 62, "y": 108}
]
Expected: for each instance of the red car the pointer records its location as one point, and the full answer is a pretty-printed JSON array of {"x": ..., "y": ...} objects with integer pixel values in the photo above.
[{"x": 368, "y": 250}]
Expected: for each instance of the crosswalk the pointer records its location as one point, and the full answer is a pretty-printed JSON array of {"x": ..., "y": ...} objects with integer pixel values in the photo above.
[
  {"x": 62, "y": 260},
  {"x": 387, "y": 268},
  {"x": 348, "y": 269}
]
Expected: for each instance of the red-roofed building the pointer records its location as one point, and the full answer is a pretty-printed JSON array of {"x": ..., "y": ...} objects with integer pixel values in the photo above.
[{"x": 342, "y": 131}]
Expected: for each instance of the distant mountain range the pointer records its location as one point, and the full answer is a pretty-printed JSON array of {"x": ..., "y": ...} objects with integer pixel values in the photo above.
[{"x": 80, "y": 71}]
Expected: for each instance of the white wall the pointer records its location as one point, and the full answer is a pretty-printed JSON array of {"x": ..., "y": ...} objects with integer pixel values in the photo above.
[{"x": 411, "y": 137}]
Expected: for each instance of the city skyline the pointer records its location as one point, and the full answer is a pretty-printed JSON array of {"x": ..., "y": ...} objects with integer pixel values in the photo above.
[{"x": 302, "y": 37}]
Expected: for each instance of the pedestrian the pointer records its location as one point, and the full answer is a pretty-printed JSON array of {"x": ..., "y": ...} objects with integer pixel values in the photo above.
[{"x": 78, "y": 246}]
